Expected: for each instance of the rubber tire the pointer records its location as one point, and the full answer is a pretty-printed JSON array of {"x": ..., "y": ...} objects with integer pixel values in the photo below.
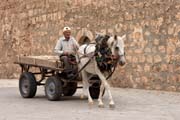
[
  {"x": 70, "y": 89},
  {"x": 95, "y": 90},
  {"x": 31, "y": 83},
  {"x": 53, "y": 80}
]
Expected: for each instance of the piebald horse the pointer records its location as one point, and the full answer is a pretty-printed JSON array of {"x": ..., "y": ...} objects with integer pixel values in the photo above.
[{"x": 86, "y": 52}]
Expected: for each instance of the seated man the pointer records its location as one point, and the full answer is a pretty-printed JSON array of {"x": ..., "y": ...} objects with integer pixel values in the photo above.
[{"x": 66, "y": 46}]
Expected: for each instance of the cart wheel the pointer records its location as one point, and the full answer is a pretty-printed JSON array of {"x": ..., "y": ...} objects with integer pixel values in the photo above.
[
  {"x": 27, "y": 85},
  {"x": 70, "y": 89},
  {"x": 53, "y": 88},
  {"x": 95, "y": 90}
]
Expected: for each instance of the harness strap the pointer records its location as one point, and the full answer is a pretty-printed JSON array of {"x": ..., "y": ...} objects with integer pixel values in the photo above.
[
  {"x": 111, "y": 72},
  {"x": 83, "y": 66},
  {"x": 86, "y": 63},
  {"x": 87, "y": 55}
]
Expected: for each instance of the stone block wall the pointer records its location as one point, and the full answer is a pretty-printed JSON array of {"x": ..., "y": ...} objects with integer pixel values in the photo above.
[{"x": 32, "y": 27}]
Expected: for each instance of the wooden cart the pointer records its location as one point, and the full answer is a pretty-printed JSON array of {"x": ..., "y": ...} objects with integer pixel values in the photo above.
[{"x": 48, "y": 71}]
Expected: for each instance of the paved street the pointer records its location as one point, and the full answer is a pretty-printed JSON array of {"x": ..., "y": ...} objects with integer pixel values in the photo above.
[{"x": 131, "y": 104}]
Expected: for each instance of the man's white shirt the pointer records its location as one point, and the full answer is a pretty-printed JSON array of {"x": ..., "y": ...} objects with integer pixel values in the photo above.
[{"x": 63, "y": 45}]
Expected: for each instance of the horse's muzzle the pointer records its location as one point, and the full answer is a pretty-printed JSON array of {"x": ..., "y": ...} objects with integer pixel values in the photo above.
[{"x": 122, "y": 63}]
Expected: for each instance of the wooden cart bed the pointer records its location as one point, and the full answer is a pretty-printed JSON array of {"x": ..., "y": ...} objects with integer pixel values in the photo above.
[{"x": 51, "y": 62}]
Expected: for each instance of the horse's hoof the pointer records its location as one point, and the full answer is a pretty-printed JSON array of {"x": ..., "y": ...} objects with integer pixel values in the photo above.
[
  {"x": 91, "y": 103},
  {"x": 82, "y": 97},
  {"x": 112, "y": 105},
  {"x": 101, "y": 105}
]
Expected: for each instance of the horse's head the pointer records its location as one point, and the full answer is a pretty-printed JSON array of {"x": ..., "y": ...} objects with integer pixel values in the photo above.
[{"x": 116, "y": 44}]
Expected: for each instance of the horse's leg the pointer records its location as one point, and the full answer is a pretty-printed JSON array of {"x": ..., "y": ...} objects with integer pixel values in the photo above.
[
  {"x": 107, "y": 87},
  {"x": 101, "y": 104},
  {"x": 86, "y": 86},
  {"x": 84, "y": 83},
  {"x": 111, "y": 103}
]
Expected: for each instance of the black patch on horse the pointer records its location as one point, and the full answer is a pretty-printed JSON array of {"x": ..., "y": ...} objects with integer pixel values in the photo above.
[{"x": 103, "y": 53}]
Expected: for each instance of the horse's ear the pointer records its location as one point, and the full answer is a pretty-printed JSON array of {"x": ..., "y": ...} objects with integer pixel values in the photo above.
[
  {"x": 124, "y": 37},
  {"x": 97, "y": 37}
]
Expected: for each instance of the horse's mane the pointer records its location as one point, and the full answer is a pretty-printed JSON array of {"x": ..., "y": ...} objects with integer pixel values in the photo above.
[{"x": 86, "y": 40}]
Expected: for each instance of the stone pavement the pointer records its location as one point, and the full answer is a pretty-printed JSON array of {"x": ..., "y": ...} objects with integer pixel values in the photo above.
[{"x": 131, "y": 104}]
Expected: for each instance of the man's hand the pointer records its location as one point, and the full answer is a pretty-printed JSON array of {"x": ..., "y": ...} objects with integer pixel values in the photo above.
[
  {"x": 65, "y": 53},
  {"x": 68, "y": 53}
]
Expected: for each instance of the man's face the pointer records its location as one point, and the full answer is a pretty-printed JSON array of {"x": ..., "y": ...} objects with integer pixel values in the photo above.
[{"x": 67, "y": 34}]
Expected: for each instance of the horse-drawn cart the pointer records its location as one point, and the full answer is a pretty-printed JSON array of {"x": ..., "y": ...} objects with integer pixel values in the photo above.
[{"x": 48, "y": 71}]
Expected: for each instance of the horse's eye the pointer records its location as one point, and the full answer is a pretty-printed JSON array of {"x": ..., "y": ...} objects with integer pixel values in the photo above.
[{"x": 116, "y": 48}]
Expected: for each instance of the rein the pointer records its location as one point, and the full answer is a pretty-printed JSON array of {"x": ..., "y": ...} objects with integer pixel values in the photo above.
[
  {"x": 86, "y": 63},
  {"x": 85, "y": 55},
  {"x": 115, "y": 65},
  {"x": 83, "y": 66}
]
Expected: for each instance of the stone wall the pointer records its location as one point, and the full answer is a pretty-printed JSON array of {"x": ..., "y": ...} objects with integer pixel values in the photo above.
[{"x": 32, "y": 27}]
